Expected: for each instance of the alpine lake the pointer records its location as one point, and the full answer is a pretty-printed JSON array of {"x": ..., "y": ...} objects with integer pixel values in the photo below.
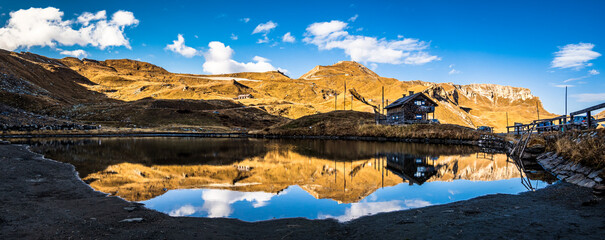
[{"x": 260, "y": 179}]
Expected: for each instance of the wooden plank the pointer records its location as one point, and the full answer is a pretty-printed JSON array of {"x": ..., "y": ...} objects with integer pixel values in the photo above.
[
  {"x": 595, "y": 107},
  {"x": 551, "y": 119}
]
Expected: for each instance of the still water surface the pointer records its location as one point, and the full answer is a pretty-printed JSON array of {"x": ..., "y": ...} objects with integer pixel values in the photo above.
[{"x": 257, "y": 179}]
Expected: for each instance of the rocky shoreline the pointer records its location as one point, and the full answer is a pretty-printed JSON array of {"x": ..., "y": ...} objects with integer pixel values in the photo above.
[
  {"x": 563, "y": 169},
  {"x": 572, "y": 172}
]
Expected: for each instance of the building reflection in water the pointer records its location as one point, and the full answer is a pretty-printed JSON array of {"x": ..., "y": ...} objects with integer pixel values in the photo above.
[{"x": 416, "y": 169}]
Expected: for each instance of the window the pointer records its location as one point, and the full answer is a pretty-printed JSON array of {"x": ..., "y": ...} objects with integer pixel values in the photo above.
[
  {"x": 419, "y": 116},
  {"x": 419, "y": 102}
]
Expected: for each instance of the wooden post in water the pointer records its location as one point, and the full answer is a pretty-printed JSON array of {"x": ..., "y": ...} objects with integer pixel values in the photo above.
[
  {"x": 344, "y": 176},
  {"x": 382, "y": 170}
]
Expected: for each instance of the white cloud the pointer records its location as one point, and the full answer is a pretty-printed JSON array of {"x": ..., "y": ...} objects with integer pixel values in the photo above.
[
  {"x": 265, "y": 39},
  {"x": 593, "y": 72},
  {"x": 373, "y": 66},
  {"x": 288, "y": 38},
  {"x": 453, "y": 70},
  {"x": 87, "y": 17},
  {"x": 79, "y": 53},
  {"x": 563, "y": 85},
  {"x": 331, "y": 35},
  {"x": 186, "y": 210},
  {"x": 218, "y": 61},
  {"x": 590, "y": 97},
  {"x": 368, "y": 208},
  {"x": 46, "y": 27},
  {"x": 353, "y": 18},
  {"x": 217, "y": 203},
  {"x": 576, "y": 79},
  {"x": 246, "y": 20},
  {"x": 574, "y": 56},
  {"x": 178, "y": 46},
  {"x": 234, "y": 37},
  {"x": 264, "y": 27},
  {"x": 124, "y": 18}
]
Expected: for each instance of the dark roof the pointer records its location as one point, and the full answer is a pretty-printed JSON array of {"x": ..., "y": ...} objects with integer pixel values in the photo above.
[{"x": 406, "y": 99}]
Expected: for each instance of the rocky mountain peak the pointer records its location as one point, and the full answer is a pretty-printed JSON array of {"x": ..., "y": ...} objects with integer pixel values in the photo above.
[{"x": 342, "y": 68}]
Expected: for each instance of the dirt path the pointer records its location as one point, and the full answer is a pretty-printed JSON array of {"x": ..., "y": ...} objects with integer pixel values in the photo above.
[{"x": 44, "y": 199}]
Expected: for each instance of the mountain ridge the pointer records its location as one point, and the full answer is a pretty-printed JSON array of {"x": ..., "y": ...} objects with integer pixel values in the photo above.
[{"x": 322, "y": 89}]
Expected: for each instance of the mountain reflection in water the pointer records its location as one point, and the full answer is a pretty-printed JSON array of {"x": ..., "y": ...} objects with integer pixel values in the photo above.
[{"x": 257, "y": 179}]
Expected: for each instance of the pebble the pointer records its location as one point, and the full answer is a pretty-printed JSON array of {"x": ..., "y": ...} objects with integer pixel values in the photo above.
[
  {"x": 130, "y": 209},
  {"x": 132, "y": 220}
]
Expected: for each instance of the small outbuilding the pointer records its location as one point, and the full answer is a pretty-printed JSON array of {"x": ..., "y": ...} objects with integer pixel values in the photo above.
[
  {"x": 413, "y": 108},
  {"x": 244, "y": 96}
]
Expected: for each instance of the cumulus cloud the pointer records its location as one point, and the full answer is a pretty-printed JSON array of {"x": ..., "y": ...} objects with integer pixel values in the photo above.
[
  {"x": 178, "y": 46},
  {"x": 264, "y": 27},
  {"x": 46, "y": 27},
  {"x": 574, "y": 56},
  {"x": 219, "y": 60},
  {"x": 333, "y": 35},
  {"x": 593, "y": 72},
  {"x": 288, "y": 38},
  {"x": 234, "y": 37},
  {"x": 79, "y": 53},
  {"x": 590, "y": 97}
]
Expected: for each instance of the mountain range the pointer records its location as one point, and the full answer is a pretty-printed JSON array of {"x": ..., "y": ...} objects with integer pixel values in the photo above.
[{"x": 133, "y": 93}]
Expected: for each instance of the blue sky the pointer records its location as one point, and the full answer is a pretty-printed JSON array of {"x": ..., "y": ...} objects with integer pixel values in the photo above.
[{"x": 503, "y": 42}]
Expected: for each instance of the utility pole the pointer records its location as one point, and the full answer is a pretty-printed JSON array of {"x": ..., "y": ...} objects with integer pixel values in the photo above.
[
  {"x": 565, "y": 101},
  {"x": 538, "y": 111},
  {"x": 335, "y": 101},
  {"x": 382, "y": 109},
  {"x": 507, "y": 119},
  {"x": 344, "y": 98},
  {"x": 351, "y": 102}
]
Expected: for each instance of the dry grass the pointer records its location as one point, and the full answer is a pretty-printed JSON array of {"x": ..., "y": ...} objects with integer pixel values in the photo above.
[
  {"x": 585, "y": 147},
  {"x": 351, "y": 123}
]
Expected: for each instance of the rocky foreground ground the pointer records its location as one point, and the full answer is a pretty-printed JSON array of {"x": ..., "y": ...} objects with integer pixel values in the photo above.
[{"x": 44, "y": 199}]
